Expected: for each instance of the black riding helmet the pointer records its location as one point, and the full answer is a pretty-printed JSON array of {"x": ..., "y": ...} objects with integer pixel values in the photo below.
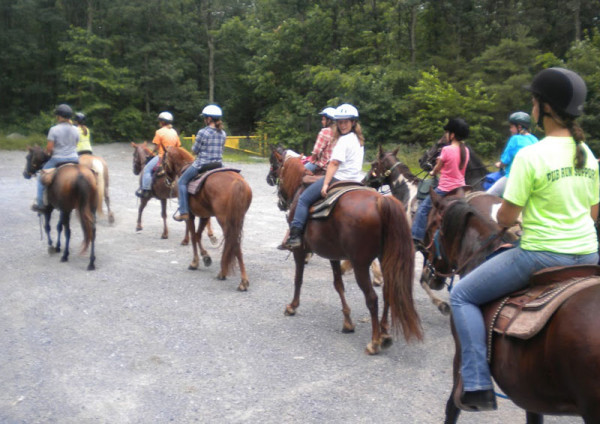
[
  {"x": 458, "y": 127},
  {"x": 63, "y": 110},
  {"x": 561, "y": 88},
  {"x": 80, "y": 117}
]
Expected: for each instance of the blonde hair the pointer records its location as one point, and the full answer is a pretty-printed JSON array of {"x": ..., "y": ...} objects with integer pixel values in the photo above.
[{"x": 356, "y": 129}]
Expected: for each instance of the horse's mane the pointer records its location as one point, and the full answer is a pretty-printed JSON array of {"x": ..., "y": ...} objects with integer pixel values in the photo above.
[
  {"x": 405, "y": 171},
  {"x": 291, "y": 176},
  {"x": 455, "y": 219},
  {"x": 180, "y": 155}
]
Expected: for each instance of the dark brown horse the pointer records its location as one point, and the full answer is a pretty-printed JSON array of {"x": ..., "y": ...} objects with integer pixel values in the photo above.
[
  {"x": 363, "y": 226},
  {"x": 100, "y": 168},
  {"x": 556, "y": 371},
  {"x": 225, "y": 195},
  {"x": 73, "y": 187}
]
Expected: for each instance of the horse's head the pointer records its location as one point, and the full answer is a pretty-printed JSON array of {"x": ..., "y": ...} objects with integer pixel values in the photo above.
[
  {"x": 34, "y": 161},
  {"x": 427, "y": 161},
  {"x": 276, "y": 161},
  {"x": 174, "y": 161},
  {"x": 141, "y": 153}
]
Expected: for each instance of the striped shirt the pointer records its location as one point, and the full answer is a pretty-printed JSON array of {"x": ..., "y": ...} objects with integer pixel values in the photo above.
[{"x": 208, "y": 146}]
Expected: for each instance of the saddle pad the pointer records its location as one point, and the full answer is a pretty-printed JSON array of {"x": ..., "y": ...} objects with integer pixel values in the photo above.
[
  {"x": 323, "y": 208},
  {"x": 47, "y": 175},
  {"x": 524, "y": 314},
  {"x": 196, "y": 184}
]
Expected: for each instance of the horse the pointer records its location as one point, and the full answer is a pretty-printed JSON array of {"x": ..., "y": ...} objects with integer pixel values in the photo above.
[
  {"x": 225, "y": 195},
  {"x": 99, "y": 166},
  {"x": 72, "y": 187},
  {"x": 476, "y": 170},
  {"x": 161, "y": 190},
  {"x": 554, "y": 372},
  {"x": 364, "y": 225}
]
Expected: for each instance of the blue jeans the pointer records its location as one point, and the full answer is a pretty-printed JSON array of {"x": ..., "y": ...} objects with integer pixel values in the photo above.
[
  {"x": 187, "y": 176},
  {"x": 419, "y": 227},
  {"x": 507, "y": 272},
  {"x": 307, "y": 198},
  {"x": 52, "y": 163},
  {"x": 311, "y": 166},
  {"x": 147, "y": 175}
]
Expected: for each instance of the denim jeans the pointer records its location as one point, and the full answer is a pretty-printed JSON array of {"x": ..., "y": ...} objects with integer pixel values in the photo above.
[
  {"x": 147, "y": 175},
  {"x": 507, "y": 272},
  {"x": 420, "y": 224},
  {"x": 312, "y": 167},
  {"x": 307, "y": 198},
  {"x": 498, "y": 188},
  {"x": 187, "y": 176},
  {"x": 51, "y": 163}
]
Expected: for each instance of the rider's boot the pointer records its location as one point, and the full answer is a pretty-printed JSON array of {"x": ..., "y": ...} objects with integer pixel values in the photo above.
[{"x": 295, "y": 239}]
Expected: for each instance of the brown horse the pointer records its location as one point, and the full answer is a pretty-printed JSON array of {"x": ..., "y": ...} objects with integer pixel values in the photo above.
[
  {"x": 556, "y": 371},
  {"x": 100, "y": 168},
  {"x": 363, "y": 226},
  {"x": 224, "y": 195},
  {"x": 73, "y": 187}
]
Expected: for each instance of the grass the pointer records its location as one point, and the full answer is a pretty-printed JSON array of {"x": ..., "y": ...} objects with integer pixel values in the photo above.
[{"x": 20, "y": 142}]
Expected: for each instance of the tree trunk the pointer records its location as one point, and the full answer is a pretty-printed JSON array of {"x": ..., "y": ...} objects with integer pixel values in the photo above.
[
  {"x": 576, "y": 4},
  {"x": 90, "y": 15},
  {"x": 413, "y": 33}
]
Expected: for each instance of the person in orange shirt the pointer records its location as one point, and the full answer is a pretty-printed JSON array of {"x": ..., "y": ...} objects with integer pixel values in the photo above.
[{"x": 164, "y": 137}]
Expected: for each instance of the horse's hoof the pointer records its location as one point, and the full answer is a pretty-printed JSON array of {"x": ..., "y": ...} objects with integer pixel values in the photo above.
[
  {"x": 51, "y": 250},
  {"x": 372, "y": 349},
  {"x": 348, "y": 328},
  {"x": 164, "y": 237},
  {"x": 444, "y": 308},
  {"x": 213, "y": 239},
  {"x": 377, "y": 283},
  {"x": 208, "y": 262},
  {"x": 91, "y": 267},
  {"x": 221, "y": 276},
  {"x": 111, "y": 219},
  {"x": 243, "y": 286},
  {"x": 193, "y": 267},
  {"x": 139, "y": 228},
  {"x": 386, "y": 341},
  {"x": 64, "y": 259},
  {"x": 185, "y": 242},
  {"x": 289, "y": 311}
]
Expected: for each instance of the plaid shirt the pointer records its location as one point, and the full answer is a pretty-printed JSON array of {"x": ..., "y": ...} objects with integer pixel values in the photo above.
[
  {"x": 323, "y": 146},
  {"x": 209, "y": 146}
]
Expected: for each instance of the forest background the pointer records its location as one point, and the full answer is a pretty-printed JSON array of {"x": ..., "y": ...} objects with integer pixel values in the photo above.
[{"x": 272, "y": 65}]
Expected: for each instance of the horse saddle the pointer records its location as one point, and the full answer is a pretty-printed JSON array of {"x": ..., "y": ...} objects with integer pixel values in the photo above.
[
  {"x": 47, "y": 175},
  {"x": 323, "y": 208},
  {"x": 196, "y": 184},
  {"x": 524, "y": 313}
]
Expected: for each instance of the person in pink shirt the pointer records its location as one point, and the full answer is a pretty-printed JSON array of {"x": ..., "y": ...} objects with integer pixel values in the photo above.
[
  {"x": 451, "y": 165},
  {"x": 324, "y": 145}
]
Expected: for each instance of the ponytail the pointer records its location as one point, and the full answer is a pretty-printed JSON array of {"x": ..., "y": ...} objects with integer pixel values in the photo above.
[
  {"x": 579, "y": 137},
  {"x": 463, "y": 155}
]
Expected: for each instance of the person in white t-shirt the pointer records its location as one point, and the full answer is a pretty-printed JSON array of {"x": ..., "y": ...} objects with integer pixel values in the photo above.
[{"x": 345, "y": 164}]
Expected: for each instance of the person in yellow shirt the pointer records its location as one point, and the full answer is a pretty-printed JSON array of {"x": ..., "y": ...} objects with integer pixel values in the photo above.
[
  {"x": 164, "y": 137},
  {"x": 84, "y": 147}
]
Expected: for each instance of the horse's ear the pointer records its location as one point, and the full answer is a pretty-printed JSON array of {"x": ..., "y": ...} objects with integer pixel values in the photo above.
[
  {"x": 380, "y": 151},
  {"x": 133, "y": 145},
  {"x": 277, "y": 155},
  {"x": 395, "y": 151}
]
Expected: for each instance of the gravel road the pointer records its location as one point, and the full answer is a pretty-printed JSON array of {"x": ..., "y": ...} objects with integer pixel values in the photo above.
[{"x": 144, "y": 340}]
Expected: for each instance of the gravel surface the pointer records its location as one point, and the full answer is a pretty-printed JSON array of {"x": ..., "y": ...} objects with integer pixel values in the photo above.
[{"x": 144, "y": 340}]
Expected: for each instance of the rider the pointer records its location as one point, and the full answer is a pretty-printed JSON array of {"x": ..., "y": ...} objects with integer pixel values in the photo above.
[
  {"x": 164, "y": 137},
  {"x": 520, "y": 137},
  {"x": 84, "y": 147},
  {"x": 451, "y": 165},
  {"x": 209, "y": 148},
  {"x": 323, "y": 146},
  {"x": 554, "y": 183},
  {"x": 345, "y": 164},
  {"x": 61, "y": 146}
]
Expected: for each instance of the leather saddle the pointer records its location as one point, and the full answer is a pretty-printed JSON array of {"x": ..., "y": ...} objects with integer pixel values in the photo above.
[
  {"x": 196, "y": 184},
  {"x": 47, "y": 175},
  {"x": 524, "y": 313},
  {"x": 323, "y": 207}
]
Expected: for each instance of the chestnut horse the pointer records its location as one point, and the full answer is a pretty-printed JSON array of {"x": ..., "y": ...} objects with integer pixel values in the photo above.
[
  {"x": 225, "y": 195},
  {"x": 363, "y": 226},
  {"x": 100, "y": 168},
  {"x": 73, "y": 187},
  {"x": 556, "y": 371}
]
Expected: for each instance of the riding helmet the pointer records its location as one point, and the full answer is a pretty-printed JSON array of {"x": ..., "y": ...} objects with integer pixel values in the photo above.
[
  {"x": 346, "y": 111},
  {"x": 212, "y": 111},
  {"x": 80, "y": 117},
  {"x": 64, "y": 111},
  {"x": 328, "y": 112},
  {"x": 520, "y": 118},
  {"x": 165, "y": 117},
  {"x": 458, "y": 127},
  {"x": 562, "y": 88}
]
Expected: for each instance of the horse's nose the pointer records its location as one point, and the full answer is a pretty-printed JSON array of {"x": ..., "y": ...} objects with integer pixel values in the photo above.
[{"x": 26, "y": 174}]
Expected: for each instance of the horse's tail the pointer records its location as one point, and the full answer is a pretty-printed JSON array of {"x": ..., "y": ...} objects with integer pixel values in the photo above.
[
  {"x": 86, "y": 193},
  {"x": 102, "y": 182},
  {"x": 238, "y": 203},
  {"x": 398, "y": 267}
]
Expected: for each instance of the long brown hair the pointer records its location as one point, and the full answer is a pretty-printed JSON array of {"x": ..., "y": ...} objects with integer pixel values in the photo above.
[
  {"x": 218, "y": 123},
  {"x": 356, "y": 129}
]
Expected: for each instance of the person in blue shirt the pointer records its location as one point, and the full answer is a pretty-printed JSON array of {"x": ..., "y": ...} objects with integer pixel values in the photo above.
[
  {"x": 209, "y": 148},
  {"x": 520, "y": 137}
]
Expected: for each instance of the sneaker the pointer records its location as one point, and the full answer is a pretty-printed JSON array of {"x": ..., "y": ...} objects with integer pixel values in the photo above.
[
  {"x": 181, "y": 217},
  {"x": 478, "y": 400},
  {"x": 143, "y": 194},
  {"x": 39, "y": 209}
]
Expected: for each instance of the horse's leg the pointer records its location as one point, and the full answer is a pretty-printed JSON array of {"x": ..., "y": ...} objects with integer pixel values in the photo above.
[
  {"x": 338, "y": 283},
  {"x": 203, "y": 253},
  {"x": 163, "y": 213},
  {"x": 209, "y": 231},
  {"x": 59, "y": 229},
  {"x": 384, "y": 325},
  {"x": 143, "y": 203},
  {"x": 377, "y": 275},
  {"x": 92, "y": 263},
  {"x": 48, "y": 230},
  {"x": 111, "y": 216},
  {"x": 65, "y": 220},
  {"x": 190, "y": 228},
  {"x": 244, "y": 283},
  {"x": 452, "y": 411},
  {"x": 533, "y": 418},
  {"x": 299, "y": 255},
  {"x": 442, "y": 306},
  {"x": 361, "y": 272}
]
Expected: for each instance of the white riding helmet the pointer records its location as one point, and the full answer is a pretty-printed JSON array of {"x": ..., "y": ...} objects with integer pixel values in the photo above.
[
  {"x": 165, "y": 117},
  {"x": 213, "y": 111},
  {"x": 329, "y": 112},
  {"x": 346, "y": 111}
]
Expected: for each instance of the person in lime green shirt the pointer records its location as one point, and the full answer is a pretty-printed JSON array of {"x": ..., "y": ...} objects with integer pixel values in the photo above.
[
  {"x": 554, "y": 184},
  {"x": 84, "y": 146}
]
